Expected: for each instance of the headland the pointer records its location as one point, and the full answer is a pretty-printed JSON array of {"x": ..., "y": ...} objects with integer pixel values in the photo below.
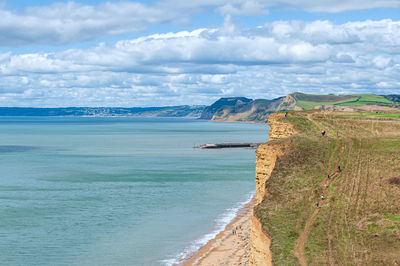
[{"x": 322, "y": 198}]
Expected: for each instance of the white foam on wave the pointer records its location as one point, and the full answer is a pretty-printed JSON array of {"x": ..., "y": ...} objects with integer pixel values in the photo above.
[{"x": 220, "y": 223}]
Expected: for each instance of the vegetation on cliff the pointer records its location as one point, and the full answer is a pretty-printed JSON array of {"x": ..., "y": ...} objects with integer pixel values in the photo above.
[{"x": 358, "y": 221}]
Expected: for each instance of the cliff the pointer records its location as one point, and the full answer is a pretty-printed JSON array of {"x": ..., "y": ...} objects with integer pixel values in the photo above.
[
  {"x": 253, "y": 111},
  {"x": 240, "y": 109},
  {"x": 223, "y": 105},
  {"x": 266, "y": 156}
]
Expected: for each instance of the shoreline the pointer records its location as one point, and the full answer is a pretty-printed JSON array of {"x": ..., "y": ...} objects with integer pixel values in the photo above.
[
  {"x": 243, "y": 122},
  {"x": 232, "y": 243}
]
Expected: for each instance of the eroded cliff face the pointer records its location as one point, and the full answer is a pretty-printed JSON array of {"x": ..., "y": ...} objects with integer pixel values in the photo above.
[
  {"x": 260, "y": 243},
  {"x": 267, "y": 153},
  {"x": 266, "y": 156},
  {"x": 279, "y": 129}
]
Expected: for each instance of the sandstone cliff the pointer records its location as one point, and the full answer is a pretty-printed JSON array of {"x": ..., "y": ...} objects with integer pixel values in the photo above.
[{"x": 266, "y": 156}]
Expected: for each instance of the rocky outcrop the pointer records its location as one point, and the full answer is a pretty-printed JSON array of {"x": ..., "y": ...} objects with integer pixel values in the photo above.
[
  {"x": 279, "y": 129},
  {"x": 288, "y": 103},
  {"x": 266, "y": 156}
]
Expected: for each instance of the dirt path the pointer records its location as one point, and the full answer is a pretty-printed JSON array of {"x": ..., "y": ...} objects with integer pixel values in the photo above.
[
  {"x": 309, "y": 117},
  {"x": 303, "y": 235},
  {"x": 302, "y": 240}
]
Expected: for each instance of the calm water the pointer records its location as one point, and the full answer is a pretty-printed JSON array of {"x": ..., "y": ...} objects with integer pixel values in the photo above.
[{"x": 117, "y": 191}]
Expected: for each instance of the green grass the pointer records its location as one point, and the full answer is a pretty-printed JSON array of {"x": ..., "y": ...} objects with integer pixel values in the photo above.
[
  {"x": 375, "y": 115},
  {"x": 319, "y": 98},
  {"x": 360, "y": 211},
  {"x": 373, "y": 98},
  {"x": 309, "y": 101},
  {"x": 279, "y": 214},
  {"x": 393, "y": 218},
  {"x": 309, "y": 105},
  {"x": 363, "y": 99}
]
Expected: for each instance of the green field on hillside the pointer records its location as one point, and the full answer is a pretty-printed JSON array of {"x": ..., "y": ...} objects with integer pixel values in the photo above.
[
  {"x": 363, "y": 99},
  {"x": 309, "y": 101},
  {"x": 308, "y": 105}
]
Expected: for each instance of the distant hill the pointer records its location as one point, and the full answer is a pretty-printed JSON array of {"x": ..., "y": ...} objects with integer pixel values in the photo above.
[
  {"x": 246, "y": 110},
  {"x": 242, "y": 109},
  {"x": 170, "y": 111},
  {"x": 223, "y": 104}
]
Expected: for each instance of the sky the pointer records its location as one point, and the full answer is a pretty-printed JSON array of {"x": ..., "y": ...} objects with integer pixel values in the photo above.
[{"x": 176, "y": 52}]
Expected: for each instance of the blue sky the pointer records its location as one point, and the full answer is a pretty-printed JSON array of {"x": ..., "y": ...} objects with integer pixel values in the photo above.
[{"x": 172, "y": 52}]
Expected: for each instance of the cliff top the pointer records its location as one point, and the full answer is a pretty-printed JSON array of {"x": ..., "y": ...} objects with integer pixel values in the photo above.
[{"x": 357, "y": 220}]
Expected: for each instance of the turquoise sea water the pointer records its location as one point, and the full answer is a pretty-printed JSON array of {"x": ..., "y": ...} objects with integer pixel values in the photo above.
[{"x": 117, "y": 191}]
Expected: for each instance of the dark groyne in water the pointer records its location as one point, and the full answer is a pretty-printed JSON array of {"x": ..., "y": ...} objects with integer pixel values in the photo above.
[{"x": 250, "y": 145}]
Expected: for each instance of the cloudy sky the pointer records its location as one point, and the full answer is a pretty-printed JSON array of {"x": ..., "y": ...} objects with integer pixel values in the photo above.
[{"x": 173, "y": 52}]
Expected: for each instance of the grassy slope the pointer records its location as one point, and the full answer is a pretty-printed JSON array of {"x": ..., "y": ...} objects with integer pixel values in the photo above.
[
  {"x": 359, "y": 222},
  {"x": 368, "y": 99},
  {"x": 309, "y": 101},
  {"x": 375, "y": 115}
]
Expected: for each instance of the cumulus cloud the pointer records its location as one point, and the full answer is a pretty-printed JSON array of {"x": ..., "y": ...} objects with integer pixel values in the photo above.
[
  {"x": 274, "y": 43},
  {"x": 70, "y": 22},
  {"x": 199, "y": 66}
]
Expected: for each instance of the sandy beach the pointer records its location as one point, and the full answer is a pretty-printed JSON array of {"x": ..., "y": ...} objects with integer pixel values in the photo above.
[{"x": 230, "y": 246}]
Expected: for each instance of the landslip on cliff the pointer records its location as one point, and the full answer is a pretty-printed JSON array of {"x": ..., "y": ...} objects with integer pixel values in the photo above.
[{"x": 329, "y": 199}]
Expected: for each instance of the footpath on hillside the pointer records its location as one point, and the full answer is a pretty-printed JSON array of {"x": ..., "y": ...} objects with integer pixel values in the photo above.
[
  {"x": 352, "y": 217},
  {"x": 303, "y": 234}
]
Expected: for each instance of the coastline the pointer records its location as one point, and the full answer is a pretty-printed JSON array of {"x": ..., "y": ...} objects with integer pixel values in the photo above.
[
  {"x": 231, "y": 245},
  {"x": 243, "y": 122}
]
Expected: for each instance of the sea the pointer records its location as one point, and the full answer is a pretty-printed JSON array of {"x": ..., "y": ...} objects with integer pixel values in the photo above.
[{"x": 118, "y": 190}]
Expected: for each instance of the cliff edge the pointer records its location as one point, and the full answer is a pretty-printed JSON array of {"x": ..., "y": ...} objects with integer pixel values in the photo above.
[{"x": 266, "y": 156}]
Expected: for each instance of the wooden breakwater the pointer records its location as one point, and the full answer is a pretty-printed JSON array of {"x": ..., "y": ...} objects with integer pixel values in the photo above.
[{"x": 248, "y": 145}]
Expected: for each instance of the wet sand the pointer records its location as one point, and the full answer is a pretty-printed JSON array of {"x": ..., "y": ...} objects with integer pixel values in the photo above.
[{"x": 229, "y": 247}]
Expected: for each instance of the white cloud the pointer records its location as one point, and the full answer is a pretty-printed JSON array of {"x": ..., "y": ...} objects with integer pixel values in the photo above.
[
  {"x": 340, "y": 6},
  {"x": 248, "y": 8},
  {"x": 197, "y": 67},
  {"x": 70, "y": 22}
]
